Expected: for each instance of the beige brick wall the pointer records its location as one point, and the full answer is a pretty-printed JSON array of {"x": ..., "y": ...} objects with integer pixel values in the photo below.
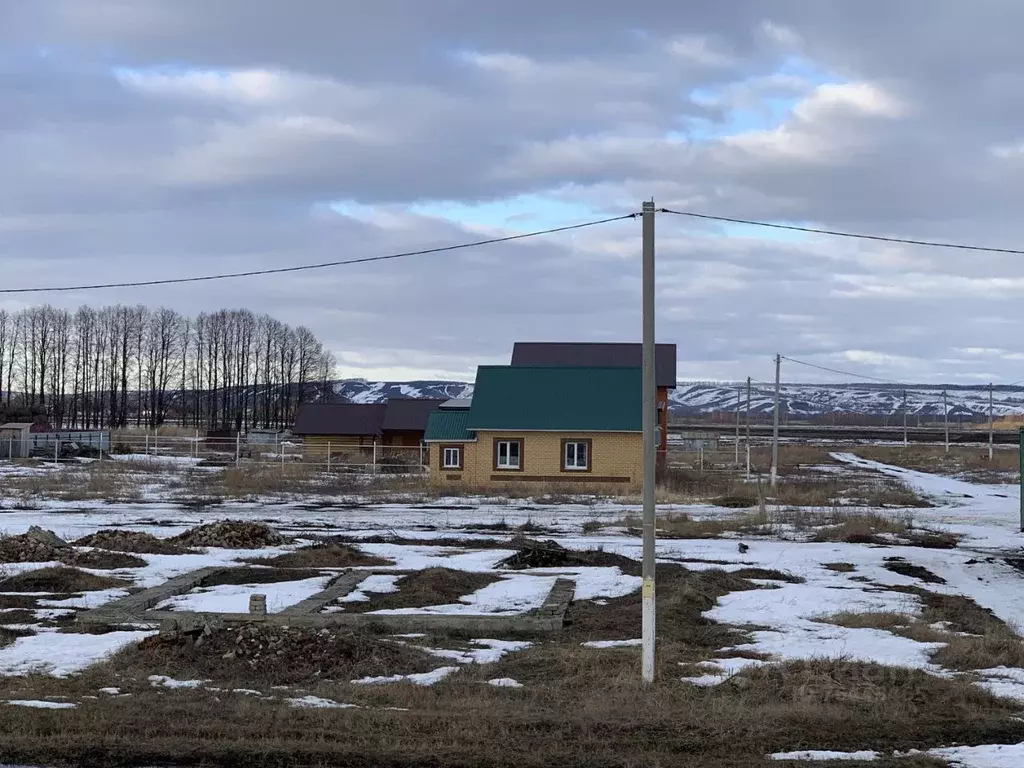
[{"x": 616, "y": 455}]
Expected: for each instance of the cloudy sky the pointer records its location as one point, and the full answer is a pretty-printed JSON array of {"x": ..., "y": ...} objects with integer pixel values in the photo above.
[{"x": 144, "y": 139}]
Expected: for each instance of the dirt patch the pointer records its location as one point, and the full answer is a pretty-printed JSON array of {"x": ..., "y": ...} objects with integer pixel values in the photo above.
[
  {"x": 903, "y": 568},
  {"x": 19, "y": 601},
  {"x": 231, "y": 534},
  {"x": 244, "y": 575},
  {"x": 841, "y": 567},
  {"x": 531, "y": 553},
  {"x": 768, "y": 574},
  {"x": 441, "y": 541},
  {"x": 59, "y": 581},
  {"x": 323, "y": 555},
  {"x": 431, "y": 586},
  {"x": 131, "y": 541},
  {"x": 267, "y": 655},
  {"x": 18, "y": 616},
  {"x": 100, "y": 560},
  {"x": 8, "y": 636}
]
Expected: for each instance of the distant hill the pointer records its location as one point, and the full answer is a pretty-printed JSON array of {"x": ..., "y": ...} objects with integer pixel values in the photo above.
[{"x": 703, "y": 398}]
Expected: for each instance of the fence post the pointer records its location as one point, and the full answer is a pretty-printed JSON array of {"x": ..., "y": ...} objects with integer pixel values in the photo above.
[
  {"x": 748, "y": 461},
  {"x": 281, "y": 451},
  {"x": 238, "y": 449},
  {"x": 700, "y": 452},
  {"x": 328, "y": 455},
  {"x": 421, "y": 456},
  {"x": 156, "y": 436},
  {"x": 56, "y": 450},
  {"x": 374, "y": 470},
  {"x": 10, "y": 449},
  {"x": 147, "y": 441}
]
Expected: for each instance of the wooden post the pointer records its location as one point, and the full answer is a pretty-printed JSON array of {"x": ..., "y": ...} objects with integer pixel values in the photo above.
[
  {"x": 238, "y": 449},
  {"x": 374, "y": 470},
  {"x": 328, "y": 455}
]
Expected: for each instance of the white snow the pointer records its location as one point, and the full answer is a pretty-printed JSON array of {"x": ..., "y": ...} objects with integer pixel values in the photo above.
[
  {"x": 490, "y": 651},
  {"x": 42, "y": 704},
  {"x": 825, "y": 754},
  {"x": 162, "y": 681},
  {"x": 1007, "y": 682},
  {"x": 111, "y": 691},
  {"x": 61, "y": 655},
  {"x": 315, "y": 702},
  {"x": 507, "y": 596},
  {"x": 505, "y": 682},
  {"x": 377, "y": 583},
  {"x": 985, "y": 756},
  {"x": 234, "y": 598},
  {"x": 422, "y": 678},
  {"x": 612, "y": 643}
]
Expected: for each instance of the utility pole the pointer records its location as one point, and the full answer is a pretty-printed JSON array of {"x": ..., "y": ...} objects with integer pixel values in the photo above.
[
  {"x": 649, "y": 416},
  {"x": 905, "y": 441},
  {"x": 775, "y": 427},
  {"x": 991, "y": 423},
  {"x": 945, "y": 417},
  {"x": 739, "y": 395},
  {"x": 747, "y": 441}
]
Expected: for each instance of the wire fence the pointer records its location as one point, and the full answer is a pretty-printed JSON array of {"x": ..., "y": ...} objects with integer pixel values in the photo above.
[{"x": 367, "y": 457}]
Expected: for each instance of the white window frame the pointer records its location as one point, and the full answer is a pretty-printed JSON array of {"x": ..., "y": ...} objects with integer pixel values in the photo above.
[
  {"x": 445, "y": 464},
  {"x": 508, "y": 465},
  {"x": 575, "y": 466}
]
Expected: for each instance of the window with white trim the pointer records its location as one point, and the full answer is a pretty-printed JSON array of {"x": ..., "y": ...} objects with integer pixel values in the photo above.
[
  {"x": 509, "y": 454},
  {"x": 452, "y": 458},
  {"x": 576, "y": 456}
]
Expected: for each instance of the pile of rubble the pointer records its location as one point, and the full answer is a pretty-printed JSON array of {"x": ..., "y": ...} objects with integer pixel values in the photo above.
[
  {"x": 41, "y": 546},
  {"x": 281, "y": 655},
  {"x": 131, "y": 541},
  {"x": 531, "y": 553},
  {"x": 231, "y": 534},
  {"x": 36, "y": 546}
]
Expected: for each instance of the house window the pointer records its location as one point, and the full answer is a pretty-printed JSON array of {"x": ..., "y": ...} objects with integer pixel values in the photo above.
[
  {"x": 451, "y": 458},
  {"x": 508, "y": 454},
  {"x": 576, "y": 455}
]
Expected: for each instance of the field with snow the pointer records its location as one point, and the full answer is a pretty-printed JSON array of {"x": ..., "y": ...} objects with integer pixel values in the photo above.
[{"x": 839, "y": 634}]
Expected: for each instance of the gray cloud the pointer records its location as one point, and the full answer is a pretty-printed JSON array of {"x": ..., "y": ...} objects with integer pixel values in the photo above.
[{"x": 155, "y": 138}]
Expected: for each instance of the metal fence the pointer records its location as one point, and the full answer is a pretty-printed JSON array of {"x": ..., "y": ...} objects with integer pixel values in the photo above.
[{"x": 373, "y": 457}]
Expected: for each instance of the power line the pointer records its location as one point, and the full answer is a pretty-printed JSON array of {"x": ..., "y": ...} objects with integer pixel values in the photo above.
[
  {"x": 837, "y": 233},
  {"x": 324, "y": 265},
  {"x": 843, "y": 373}
]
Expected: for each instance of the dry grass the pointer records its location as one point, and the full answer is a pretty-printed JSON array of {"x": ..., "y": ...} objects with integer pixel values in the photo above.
[
  {"x": 965, "y": 462},
  {"x": 246, "y": 575},
  {"x": 996, "y": 648},
  {"x": 98, "y": 481},
  {"x": 100, "y": 560},
  {"x": 430, "y": 586},
  {"x": 902, "y": 567},
  {"x": 580, "y": 707},
  {"x": 841, "y": 567},
  {"x": 131, "y": 541},
  {"x": 59, "y": 581},
  {"x": 322, "y": 555}
]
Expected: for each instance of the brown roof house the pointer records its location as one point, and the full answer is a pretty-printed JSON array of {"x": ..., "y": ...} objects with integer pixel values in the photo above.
[
  {"x": 346, "y": 426},
  {"x": 571, "y": 427},
  {"x": 606, "y": 355}
]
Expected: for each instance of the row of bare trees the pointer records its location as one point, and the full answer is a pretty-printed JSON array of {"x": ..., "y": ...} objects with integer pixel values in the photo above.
[{"x": 122, "y": 365}]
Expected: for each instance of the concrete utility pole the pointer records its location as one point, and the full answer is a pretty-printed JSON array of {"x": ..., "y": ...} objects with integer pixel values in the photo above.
[
  {"x": 775, "y": 426},
  {"x": 991, "y": 422},
  {"x": 747, "y": 441},
  {"x": 905, "y": 442},
  {"x": 945, "y": 417},
  {"x": 649, "y": 415},
  {"x": 739, "y": 395}
]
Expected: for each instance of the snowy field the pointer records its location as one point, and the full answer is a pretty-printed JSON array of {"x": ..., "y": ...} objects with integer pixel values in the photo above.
[{"x": 801, "y": 583}]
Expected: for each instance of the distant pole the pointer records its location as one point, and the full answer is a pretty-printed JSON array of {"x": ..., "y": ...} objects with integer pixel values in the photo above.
[
  {"x": 328, "y": 456},
  {"x": 739, "y": 395},
  {"x": 238, "y": 449},
  {"x": 1020, "y": 452},
  {"x": 649, "y": 415},
  {"x": 775, "y": 427},
  {"x": 945, "y": 417},
  {"x": 905, "y": 441},
  {"x": 747, "y": 441},
  {"x": 991, "y": 422}
]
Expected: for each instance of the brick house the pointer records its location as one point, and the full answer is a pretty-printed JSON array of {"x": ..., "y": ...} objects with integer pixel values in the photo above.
[
  {"x": 607, "y": 355},
  {"x": 571, "y": 425}
]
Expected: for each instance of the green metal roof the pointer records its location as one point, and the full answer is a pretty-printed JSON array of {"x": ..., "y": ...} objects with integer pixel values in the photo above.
[
  {"x": 557, "y": 399},
  {"x": 448, "y": 425}
]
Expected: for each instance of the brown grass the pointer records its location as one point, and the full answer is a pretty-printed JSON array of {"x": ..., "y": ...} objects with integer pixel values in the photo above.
[
  {"x": 902, "y": 567},
  {"x": 965, "y": 462},
  {"x": 100, "y": 560},
  {"x": 59, "y": 581},
  {"x": 580, "y": 707},
  {"x": 131, "y": 541},
  {"x": 322, "y": 555},
  {"x": 246, "y": 575},
  {"x": 430, "y": 586},
  {"x": 841, "y": 567},
  {"x": 99, "y": 481},
  {"x": 996, "y": 648}
]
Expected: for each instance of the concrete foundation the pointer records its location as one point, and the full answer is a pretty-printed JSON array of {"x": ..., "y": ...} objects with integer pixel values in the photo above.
[{"x": 135, "y": 610}]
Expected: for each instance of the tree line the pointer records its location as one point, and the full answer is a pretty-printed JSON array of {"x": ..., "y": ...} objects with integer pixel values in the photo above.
[{"x": 121, "y": 366}]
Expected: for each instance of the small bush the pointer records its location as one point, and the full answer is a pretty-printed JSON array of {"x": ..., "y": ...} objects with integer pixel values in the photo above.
[{"x": 59, "y": 581}]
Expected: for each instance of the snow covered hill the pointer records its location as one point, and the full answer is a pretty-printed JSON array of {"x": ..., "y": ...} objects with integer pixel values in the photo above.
[{"x": 698, "y": 398}]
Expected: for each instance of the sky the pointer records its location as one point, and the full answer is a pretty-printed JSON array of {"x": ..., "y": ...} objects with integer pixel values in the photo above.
[{"x": 147, "y": 139}]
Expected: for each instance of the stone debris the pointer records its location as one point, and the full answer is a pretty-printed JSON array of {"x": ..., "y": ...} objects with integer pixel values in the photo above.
[
  {"x": 46, "y": 537},
  {"x": 532, "y": 553},
  {"x": 231, "y": 534},
  {"x": 131, "y": 541},
  {"x": 26, "y": 549}
]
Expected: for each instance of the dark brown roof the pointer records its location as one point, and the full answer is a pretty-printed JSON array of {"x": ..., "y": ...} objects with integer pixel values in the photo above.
[
  {"x": 407, "y": 414},
  {"x": 339, "y": 419},
  {"x": 596, "y": 355}
]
